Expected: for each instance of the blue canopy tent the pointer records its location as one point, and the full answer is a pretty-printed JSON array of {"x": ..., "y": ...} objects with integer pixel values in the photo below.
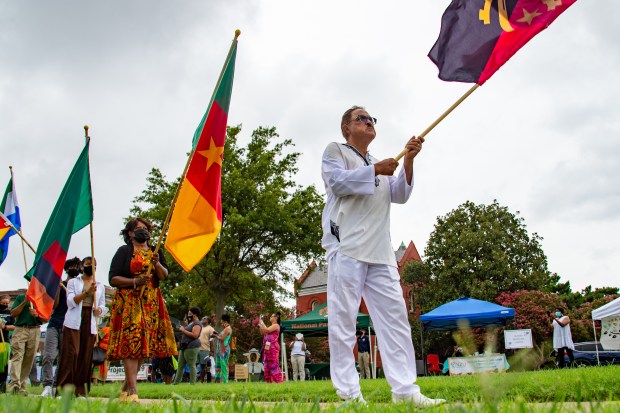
[
  {"x": 474, "y": 313},
  {"x": 477, "y": 313}
]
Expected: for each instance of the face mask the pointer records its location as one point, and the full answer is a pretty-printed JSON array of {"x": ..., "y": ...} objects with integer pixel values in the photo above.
[
  {"x": 141, "y": 235},
  {"x": 558, "y": 314},
  {"x": 88, "y": 269},
  {"x": 3, "y": 307},
  {"x": 73, "y": 272}
]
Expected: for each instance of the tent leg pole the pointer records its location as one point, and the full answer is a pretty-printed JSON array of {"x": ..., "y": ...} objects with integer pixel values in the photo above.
[
  {"x": 283, "y": 348},
  {"x": 422, "y": 348},
  {"x": 598, "y": 362}
]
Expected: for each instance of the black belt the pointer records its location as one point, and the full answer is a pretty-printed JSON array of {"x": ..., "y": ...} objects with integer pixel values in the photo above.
[{"x": 363, "y": 351}]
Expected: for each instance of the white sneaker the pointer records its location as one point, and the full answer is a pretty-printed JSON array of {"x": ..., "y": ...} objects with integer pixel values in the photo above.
[
  {"x": 359, "y": 399},
  {"x": 47, "y": 392},
  {"x": 418, "y": 400}
]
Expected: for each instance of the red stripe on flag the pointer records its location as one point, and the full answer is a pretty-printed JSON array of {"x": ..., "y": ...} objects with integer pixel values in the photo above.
[
  {"x": 207, "y": 181},
  {"x": 527, "y": 19},
  {"x": 56, "y": 256}
]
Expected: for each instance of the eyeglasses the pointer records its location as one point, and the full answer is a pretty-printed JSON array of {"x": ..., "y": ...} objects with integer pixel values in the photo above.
[{"x": 364, "y": 118}]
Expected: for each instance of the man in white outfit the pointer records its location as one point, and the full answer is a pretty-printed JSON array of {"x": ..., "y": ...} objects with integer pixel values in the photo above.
[
  {"x": 562, "y": 337},
  {"x": 361, "y": 261}
]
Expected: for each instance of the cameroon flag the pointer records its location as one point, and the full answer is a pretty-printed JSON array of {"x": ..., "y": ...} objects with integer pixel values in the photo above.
[
  {"x": 197, "y": 217},
  {"x": 73, "y": 211}
]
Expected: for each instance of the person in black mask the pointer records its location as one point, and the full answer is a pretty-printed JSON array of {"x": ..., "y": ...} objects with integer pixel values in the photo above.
[
  {"x": 189, "y": 345},
  {"x": 6, "y": 325},
  {"x": 85, "y": 303},
  {"x": 140, "y": 326},
  {"x": 53, "y": 336}
]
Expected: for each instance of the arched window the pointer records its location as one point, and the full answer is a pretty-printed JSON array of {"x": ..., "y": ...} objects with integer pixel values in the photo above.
[
  {"x": 411, "y": 306},
  {"x": 313, "y": 305}
]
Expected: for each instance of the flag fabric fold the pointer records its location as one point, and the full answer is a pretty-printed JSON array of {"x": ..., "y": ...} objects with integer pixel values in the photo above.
[
  {"x": 478, "y": 36},
  {"x": 73, "y": 211},
  {"x": 10, "y": 211},
  {"x": 197, "y": 216}
]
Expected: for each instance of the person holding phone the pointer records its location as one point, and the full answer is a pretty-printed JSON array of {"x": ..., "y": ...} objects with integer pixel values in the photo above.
[
  {"x": 298, "y": 357},
  {"x": 271, "y": 349}
]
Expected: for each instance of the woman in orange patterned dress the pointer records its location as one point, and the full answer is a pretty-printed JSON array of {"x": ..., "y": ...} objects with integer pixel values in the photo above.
[{"x": 140, "y": 326}]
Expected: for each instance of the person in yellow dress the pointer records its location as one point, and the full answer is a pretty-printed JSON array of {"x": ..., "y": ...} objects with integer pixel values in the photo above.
[{"x": 140, "y": 326}]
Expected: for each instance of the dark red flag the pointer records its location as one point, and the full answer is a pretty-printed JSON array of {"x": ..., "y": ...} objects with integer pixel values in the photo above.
[{"x": 478, "y": 36}]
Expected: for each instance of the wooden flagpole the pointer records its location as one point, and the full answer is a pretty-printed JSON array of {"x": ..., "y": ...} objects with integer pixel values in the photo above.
[
  {"x": 164, "y": 226},
  {"x": 442, "y": 117},
  {"x": 18, "y": 232},
  {"x": 24, "y": 241},
  {"x": 92, "y": 250}
]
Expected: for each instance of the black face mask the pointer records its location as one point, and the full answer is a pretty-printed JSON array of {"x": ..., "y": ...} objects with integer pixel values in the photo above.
[
  {"x": 141, "y": 235},
  {"x": 88, "y": 269},
  {"x": 3, "y": 307},
  {"x": 73, "y": 272}
]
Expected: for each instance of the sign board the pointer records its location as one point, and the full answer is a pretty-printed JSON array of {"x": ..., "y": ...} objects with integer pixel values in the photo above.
[
  {"x": 460, "y": 366},
  {"x": 518, "y": 338},
  {"x": 117, "y": 373},
  {"x": 610, "y": 333}
]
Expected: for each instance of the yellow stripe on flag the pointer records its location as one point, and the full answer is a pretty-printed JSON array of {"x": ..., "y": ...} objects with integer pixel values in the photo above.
[
  {"x": 3, "y": 231},
  {"x": 196, "y": 228}
]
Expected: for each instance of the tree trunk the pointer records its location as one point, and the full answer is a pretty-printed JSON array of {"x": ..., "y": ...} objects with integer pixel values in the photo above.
[{"x": 219, "y": 307}]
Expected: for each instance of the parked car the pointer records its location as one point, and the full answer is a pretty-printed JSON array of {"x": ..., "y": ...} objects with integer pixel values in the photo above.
[{"x": 585, "y": 354}]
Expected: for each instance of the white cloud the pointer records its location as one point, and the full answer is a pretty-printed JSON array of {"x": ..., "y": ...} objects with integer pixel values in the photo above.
[{"x": 541, "y": 136}]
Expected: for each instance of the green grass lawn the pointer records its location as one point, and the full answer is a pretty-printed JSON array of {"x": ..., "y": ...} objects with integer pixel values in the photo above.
[{"x": 592, "y": 389}]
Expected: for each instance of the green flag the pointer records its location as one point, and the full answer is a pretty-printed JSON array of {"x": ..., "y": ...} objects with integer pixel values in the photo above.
[{"x": 73, "y": 211}]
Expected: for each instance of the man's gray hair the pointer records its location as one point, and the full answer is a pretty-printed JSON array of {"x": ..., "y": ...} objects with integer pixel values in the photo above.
[{"x": 346, "y": 117}]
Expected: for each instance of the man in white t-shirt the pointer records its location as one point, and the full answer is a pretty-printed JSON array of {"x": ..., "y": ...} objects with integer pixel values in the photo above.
[
  {"x": 298, "y": 357},
  {"x": 362, "y": 264}
]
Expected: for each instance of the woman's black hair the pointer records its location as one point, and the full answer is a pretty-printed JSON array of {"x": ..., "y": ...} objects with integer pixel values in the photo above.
[
  {"x": 277, "y": 314},
  {"x": 196, "y": 311},
  {"x": 131, "y": 225},
  {"x": 72, "y": 262},
  {"x": 226, "y": 317}
]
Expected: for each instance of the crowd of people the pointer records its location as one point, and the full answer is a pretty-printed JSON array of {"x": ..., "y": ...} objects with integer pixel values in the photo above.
[
  {"x": 139, "y": 328},
  {"x": 361, "y": 264}
]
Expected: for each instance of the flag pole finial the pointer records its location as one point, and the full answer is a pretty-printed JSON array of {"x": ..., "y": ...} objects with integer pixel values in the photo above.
[
  {"x": 86, "y": 131},
  {"x": 237, "y": 33}
]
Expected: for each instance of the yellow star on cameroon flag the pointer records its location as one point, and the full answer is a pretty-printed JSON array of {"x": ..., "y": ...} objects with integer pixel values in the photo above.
[
  {"x": 213, "y": 154},
  {"x": 528, "y": 17}
]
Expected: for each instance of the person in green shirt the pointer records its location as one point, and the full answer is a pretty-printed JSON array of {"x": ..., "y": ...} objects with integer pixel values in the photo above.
[{"x": 24, "y": 343}]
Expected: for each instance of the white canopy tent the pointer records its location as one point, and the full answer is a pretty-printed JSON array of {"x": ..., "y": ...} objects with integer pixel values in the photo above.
[{"x": 609, "y": 314}]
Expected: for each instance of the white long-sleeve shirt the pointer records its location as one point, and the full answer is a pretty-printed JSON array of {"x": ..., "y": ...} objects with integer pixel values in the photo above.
[
  {"x": 359, "y": 204},
  {"x": 73, "y": 318}
]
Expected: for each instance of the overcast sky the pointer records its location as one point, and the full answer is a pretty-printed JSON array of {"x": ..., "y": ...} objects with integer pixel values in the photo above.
[{"x": 542, "y": 136}]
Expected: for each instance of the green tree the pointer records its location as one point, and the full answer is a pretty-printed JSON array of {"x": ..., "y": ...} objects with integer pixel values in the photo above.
[
  {"x": 479, "y": 251},
  {"x": 271, "y": 227}
]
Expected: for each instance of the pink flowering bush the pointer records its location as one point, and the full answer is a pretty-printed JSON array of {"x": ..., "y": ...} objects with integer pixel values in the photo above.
[{"x": 531, "y": 312}]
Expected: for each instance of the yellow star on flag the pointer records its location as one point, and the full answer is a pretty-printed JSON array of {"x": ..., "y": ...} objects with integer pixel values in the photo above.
[
  {"x": 528, "y": 17},
  {"x": 551, "y": 4},
  {"x": 213, "y": 154}
]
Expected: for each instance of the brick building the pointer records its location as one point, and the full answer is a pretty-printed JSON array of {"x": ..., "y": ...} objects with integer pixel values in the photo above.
[{"x": 311, "y": 287}]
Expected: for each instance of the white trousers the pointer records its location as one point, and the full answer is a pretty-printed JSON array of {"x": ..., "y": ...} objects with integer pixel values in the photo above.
[{"x": 349, "y": 281}]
